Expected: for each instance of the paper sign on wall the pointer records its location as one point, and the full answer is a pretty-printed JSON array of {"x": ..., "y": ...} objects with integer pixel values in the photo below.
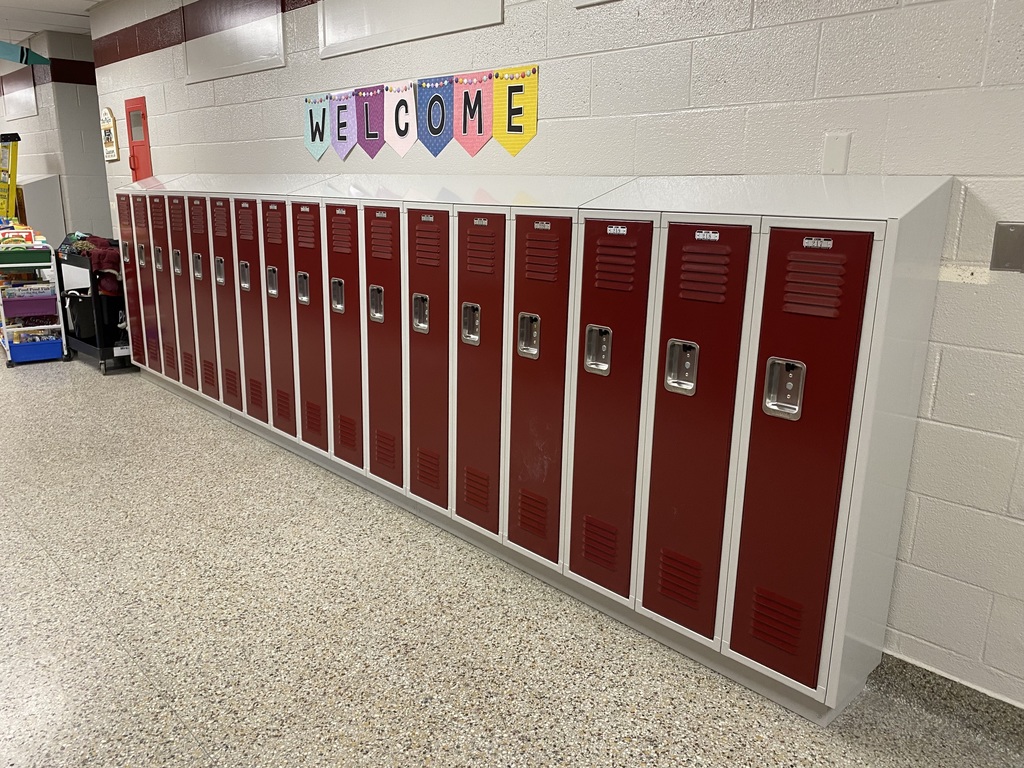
[
  {"x": 400, "y": 116},
  {"x": 108, "y": 133},
  {"x": 370, "y": 108},
  {"x": 315, "y": 128},
  {"x": 344, "y": 124},
  {"x": 515, "y": 107},
  {"x": 434, "y": 100},
  {"x": 474, "y": 110}
]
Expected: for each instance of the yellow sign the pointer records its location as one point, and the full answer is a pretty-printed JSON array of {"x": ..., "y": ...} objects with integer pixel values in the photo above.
[
  {"x": 515, "y": 106},
  {"x": 8, "y": 173},
  {"x": 108, "y": 133}
]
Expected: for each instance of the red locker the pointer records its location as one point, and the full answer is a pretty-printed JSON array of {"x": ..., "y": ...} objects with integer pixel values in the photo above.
[
  {"x": 612, "y": 329},
  {"x": 165, "y": 297},
  {"x": 540, "y": 317},
  {"x": 131, "y": 282},
  {"x": 481, "y": 311},
  {"x": 250, "y": 299},
  {"x": 182, "y": 278},
  {"x": 384, "y": 340},
  {"x": 206, "y": 322},
  {"x": 428, "y": 301},
  {"x": 279, "y": 315},
  {"x": 814, "y": 296},
  {"x": 694, "y": 403},
  {"x": 224, "y": 267},
  {"x": 346, "y": 338},
  {"x": 147, "y": 285},
  {"x": 309, "y": 316}
]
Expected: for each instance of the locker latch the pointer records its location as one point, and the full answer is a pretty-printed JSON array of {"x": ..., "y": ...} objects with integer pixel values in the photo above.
[
  {"x": 784, "y": 388},
  {"x": 218, "y": 270},
  {"x": 598, "y": 352},
  {"x": 142, "y": 255},
  {"x": 302, "y": 287},
  {"x": 377, "y": 303},
  {"x": 338, "y": 295},
  {"x": 158, "y": 258},
  {"x": 244, "y": 276},
  {"x": 124, "y": 251},
  {"x": 176, "y": 261},
  {"x": 272, "y": 291},
  {"x": 681, "y": 366},
  {"x": 197, "y": 266},
  {"x": 471, "y": 323},
  {"x": 528, "y": 340},
  {"x": 421, "y": 313}
]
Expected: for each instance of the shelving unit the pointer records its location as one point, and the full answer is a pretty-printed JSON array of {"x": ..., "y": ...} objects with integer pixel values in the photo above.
[{"x": 21, "y": 342}]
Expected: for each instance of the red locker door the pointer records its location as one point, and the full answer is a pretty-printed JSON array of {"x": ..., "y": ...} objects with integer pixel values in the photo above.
[
  {"x": 250, "y": 299},
  {"x": 131, "y": 282},
  {"x": 147, "y": 284},
  {"x": 384, "y": 340},
  {"x": 481, "y": 311},
  {"x": 206, "y": 323},
  {"x": 346, "y": 339},
  {"x": 162, "y": 267},
  {"x": 279, "y": 315},
  {"x": 613, "y": 319},
  {"x": 429, "y": 259},
  {"x": 814, "y": 296},
  {"x": 227, "y": 315},
  {"x": 694, "y": 402},
  {"x": 182, "y": 278},
  {"x": 309, "y": 315},
  {"x": 540, "y": 314}
]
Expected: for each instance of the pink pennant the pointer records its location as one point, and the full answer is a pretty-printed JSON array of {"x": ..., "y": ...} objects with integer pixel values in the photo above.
[{"x": 474, "y": 97}]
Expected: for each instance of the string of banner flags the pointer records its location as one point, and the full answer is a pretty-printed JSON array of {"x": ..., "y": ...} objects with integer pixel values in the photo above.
[{"x": 471, "y": 108}]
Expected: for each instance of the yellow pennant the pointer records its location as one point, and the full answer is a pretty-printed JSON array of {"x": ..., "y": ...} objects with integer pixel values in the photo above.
[{"x": 515, "y": 106}]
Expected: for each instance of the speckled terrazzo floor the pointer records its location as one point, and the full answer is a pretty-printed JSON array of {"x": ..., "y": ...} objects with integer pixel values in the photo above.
[{"x": 177, "y": 591}]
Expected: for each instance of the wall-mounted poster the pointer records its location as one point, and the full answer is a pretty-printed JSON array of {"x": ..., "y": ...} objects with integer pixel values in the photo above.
[
  {"x": 108, "y": 134},
  {"x": 231, "y": 37}
]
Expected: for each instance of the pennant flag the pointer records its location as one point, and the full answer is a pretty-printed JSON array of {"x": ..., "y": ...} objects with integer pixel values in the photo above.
[
  {"x": 370, "y": 110},
  {"x": 515, "y": 107},
  {"x": 344, "y": 123},
  {"x": 434, "y": 101},
  {"x": 400, "y": 116},
  {"x": 316, "y": 127},
  {"x": 474, "y": 96}
]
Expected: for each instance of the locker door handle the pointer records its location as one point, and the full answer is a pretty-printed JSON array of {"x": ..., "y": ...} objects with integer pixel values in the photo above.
[
  {"x": 142, "y": 255},
  {"x": 471, "y": 324},
  {"x": 528, "y": 340},
  {"x": 197, "y": 266},
  {"x": 681, "y": 366},
  {"x": 272, "y": 282},
  {"x": 158, "y": 258},
  {"x": 376, "y": 305},
  {"x": 338, "y": 295},
  {"x": 784, "y": 388},
  {"x": 421, "y": 313},
  {"x": 244, "y": 276},
  {"x": 176, "y": 261},
  {"x": 218, "y": 270},
  {"x": 124, "y": 251},
  {"x": 598, "y": 352},
  {"x": 302, "y": 287}
]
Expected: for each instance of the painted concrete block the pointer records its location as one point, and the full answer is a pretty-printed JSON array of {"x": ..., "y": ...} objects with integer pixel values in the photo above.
[
  {"x": 775, "y": 12},
  {"x": 642, "y": 80},
  {"x": 985, "y": 316},
  {"x": 981, "y": 390},
  {"x": 699, "y": 141},
  {"x": 565, "y": 88},
  {"x": 1005, "y": 647}
]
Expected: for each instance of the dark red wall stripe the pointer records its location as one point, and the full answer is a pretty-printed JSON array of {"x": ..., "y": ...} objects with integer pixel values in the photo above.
[
  {"x": 65, "y": 71},
  {"x": 205, "y": 17},
  {"x": 18, "y": 80}
]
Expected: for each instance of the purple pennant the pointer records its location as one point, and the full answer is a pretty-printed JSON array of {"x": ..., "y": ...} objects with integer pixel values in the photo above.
[
  {"x": 344, "y": 123},
  {"x": 435, "y": 98},
  {"x": 370, "y": 111}
]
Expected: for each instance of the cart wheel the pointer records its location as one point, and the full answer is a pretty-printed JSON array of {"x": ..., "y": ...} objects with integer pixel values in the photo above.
[
  {"x": 68, "y": 357},
  {"x": 10, "y": 364},
  {"x": 103, "y": 367}
]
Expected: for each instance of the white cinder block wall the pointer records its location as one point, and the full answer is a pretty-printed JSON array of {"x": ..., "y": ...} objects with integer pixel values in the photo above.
[{"x": 727, "y": 87}]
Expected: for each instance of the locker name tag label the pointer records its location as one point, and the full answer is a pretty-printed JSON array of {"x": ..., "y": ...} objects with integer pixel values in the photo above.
[
  {"x": 427, "y": 217},
  {"x": 245, "y": 205},
  {"x": 304, "y": 208},
  {"x": 707, "y": 234},
  {"x": 823, "y": 243},
  {"x": 616, "y": 229},
  {"x": 382, "y": 214},
  {"x": 480, "y": 222},
  {"x": 272, "y": 206},
  {"x": 546, "y": 225},
  {"x": 340, "y": 212}
]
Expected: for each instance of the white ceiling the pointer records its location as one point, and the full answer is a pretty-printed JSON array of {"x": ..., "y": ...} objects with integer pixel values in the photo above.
[{"x": 20, "y": 19}]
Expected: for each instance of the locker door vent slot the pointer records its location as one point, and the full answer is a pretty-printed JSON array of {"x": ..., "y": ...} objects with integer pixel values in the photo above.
[
  {"x": 305, "y": 230},
  {"x": 158, "y": 258},
  {"x": 341, "y": 235},
  {"x": 376, "y": 303},
  {"x": 427, "y": 242},
  {"x": 381, "y": 239},
  {"x": 302, "y": 287},
  {"x": 138, "y": 350},
  {"x": 679, "y": 578},
  {"x": 542, "y": 256},
  {"x": 272, "y": 289},
  {"x": 384, "y": 448},
  {"x": 598, "y": 350},
  {"x": 776, "y": 620},
  {"x": 338, "y": 295},
  {"x": 219, "y": 272},
  {"x": 140, "y": 211},
  {"x": 153, "y": 348},
  {"x": 533, "y": 513},
  {"x": 169, "y": 356},
  {"x": 599, "y": 542},
  {"x": 257, "y": 397},
  {"x": 616, "y": 264},
  {"x": 246, "y": 223},
  {"x": 284, "y": 404},
  {"x": 481, "y": 252},
  {"x": 188, "y": 364},
  {"x": 244, "y": 276},
  {"x": 476, "y": 488},
  {"x": 220, "y": 220},
  {"x": 124, "y": 210},
  {"x": 231, "y": 383},
  {"x": 176, "y": 261},
  {"x": 421, "y": 313},
  {"x": 273, "y": 226},
  {"x": 198, "y": 219},
  {"x": 347, "y": 432},
  {"x": 681, "y": 358},
  {"x": 428, "y": 468},
  {"x": 156, "y": 213},
  {"x": 177, "y": 215},
  {"x": 314, "y": 419},
  {"x": 209, "y": 373},
  {"x": 704, "y": 273},
  {"x": 814, "y": 283}
]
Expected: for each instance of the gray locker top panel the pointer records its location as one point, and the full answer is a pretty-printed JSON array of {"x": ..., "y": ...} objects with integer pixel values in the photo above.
[
  {"x": 831, "y": 197},
  {"x": 152, "y": 183},
  {"x": 252, "y": 184}
]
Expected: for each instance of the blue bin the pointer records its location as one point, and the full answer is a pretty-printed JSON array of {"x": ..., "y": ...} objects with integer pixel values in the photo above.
[{"x": 30, "y": 351}]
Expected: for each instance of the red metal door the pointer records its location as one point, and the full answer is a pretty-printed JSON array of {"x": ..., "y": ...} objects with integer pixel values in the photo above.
[
  {"x": 481, "y": 312},
  {"x": 429, "y": 259},
  {"x": 309, "y": 315},
  {"x": 147, "y": 284},
  {"x": 611, "y": 332},
  {"x": 384, "y": 340},
  {"x": 139, "y": 160},
  {"x": 694, "y": 403},
  {"x": 131, "y": 281},
  {"x": 206, "y": 322},
  {"x": 250, "y": 299},
  {"x": 181, "y": 276},
  {"x": 165, "y": 297},
  {"x": 279, "y": 315},
  {"x": 813, "y": 308},
  {"x": 227, "y": 315},
  {"x": 543, "y": 255},
  {"x": 346, "y": 338}
]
